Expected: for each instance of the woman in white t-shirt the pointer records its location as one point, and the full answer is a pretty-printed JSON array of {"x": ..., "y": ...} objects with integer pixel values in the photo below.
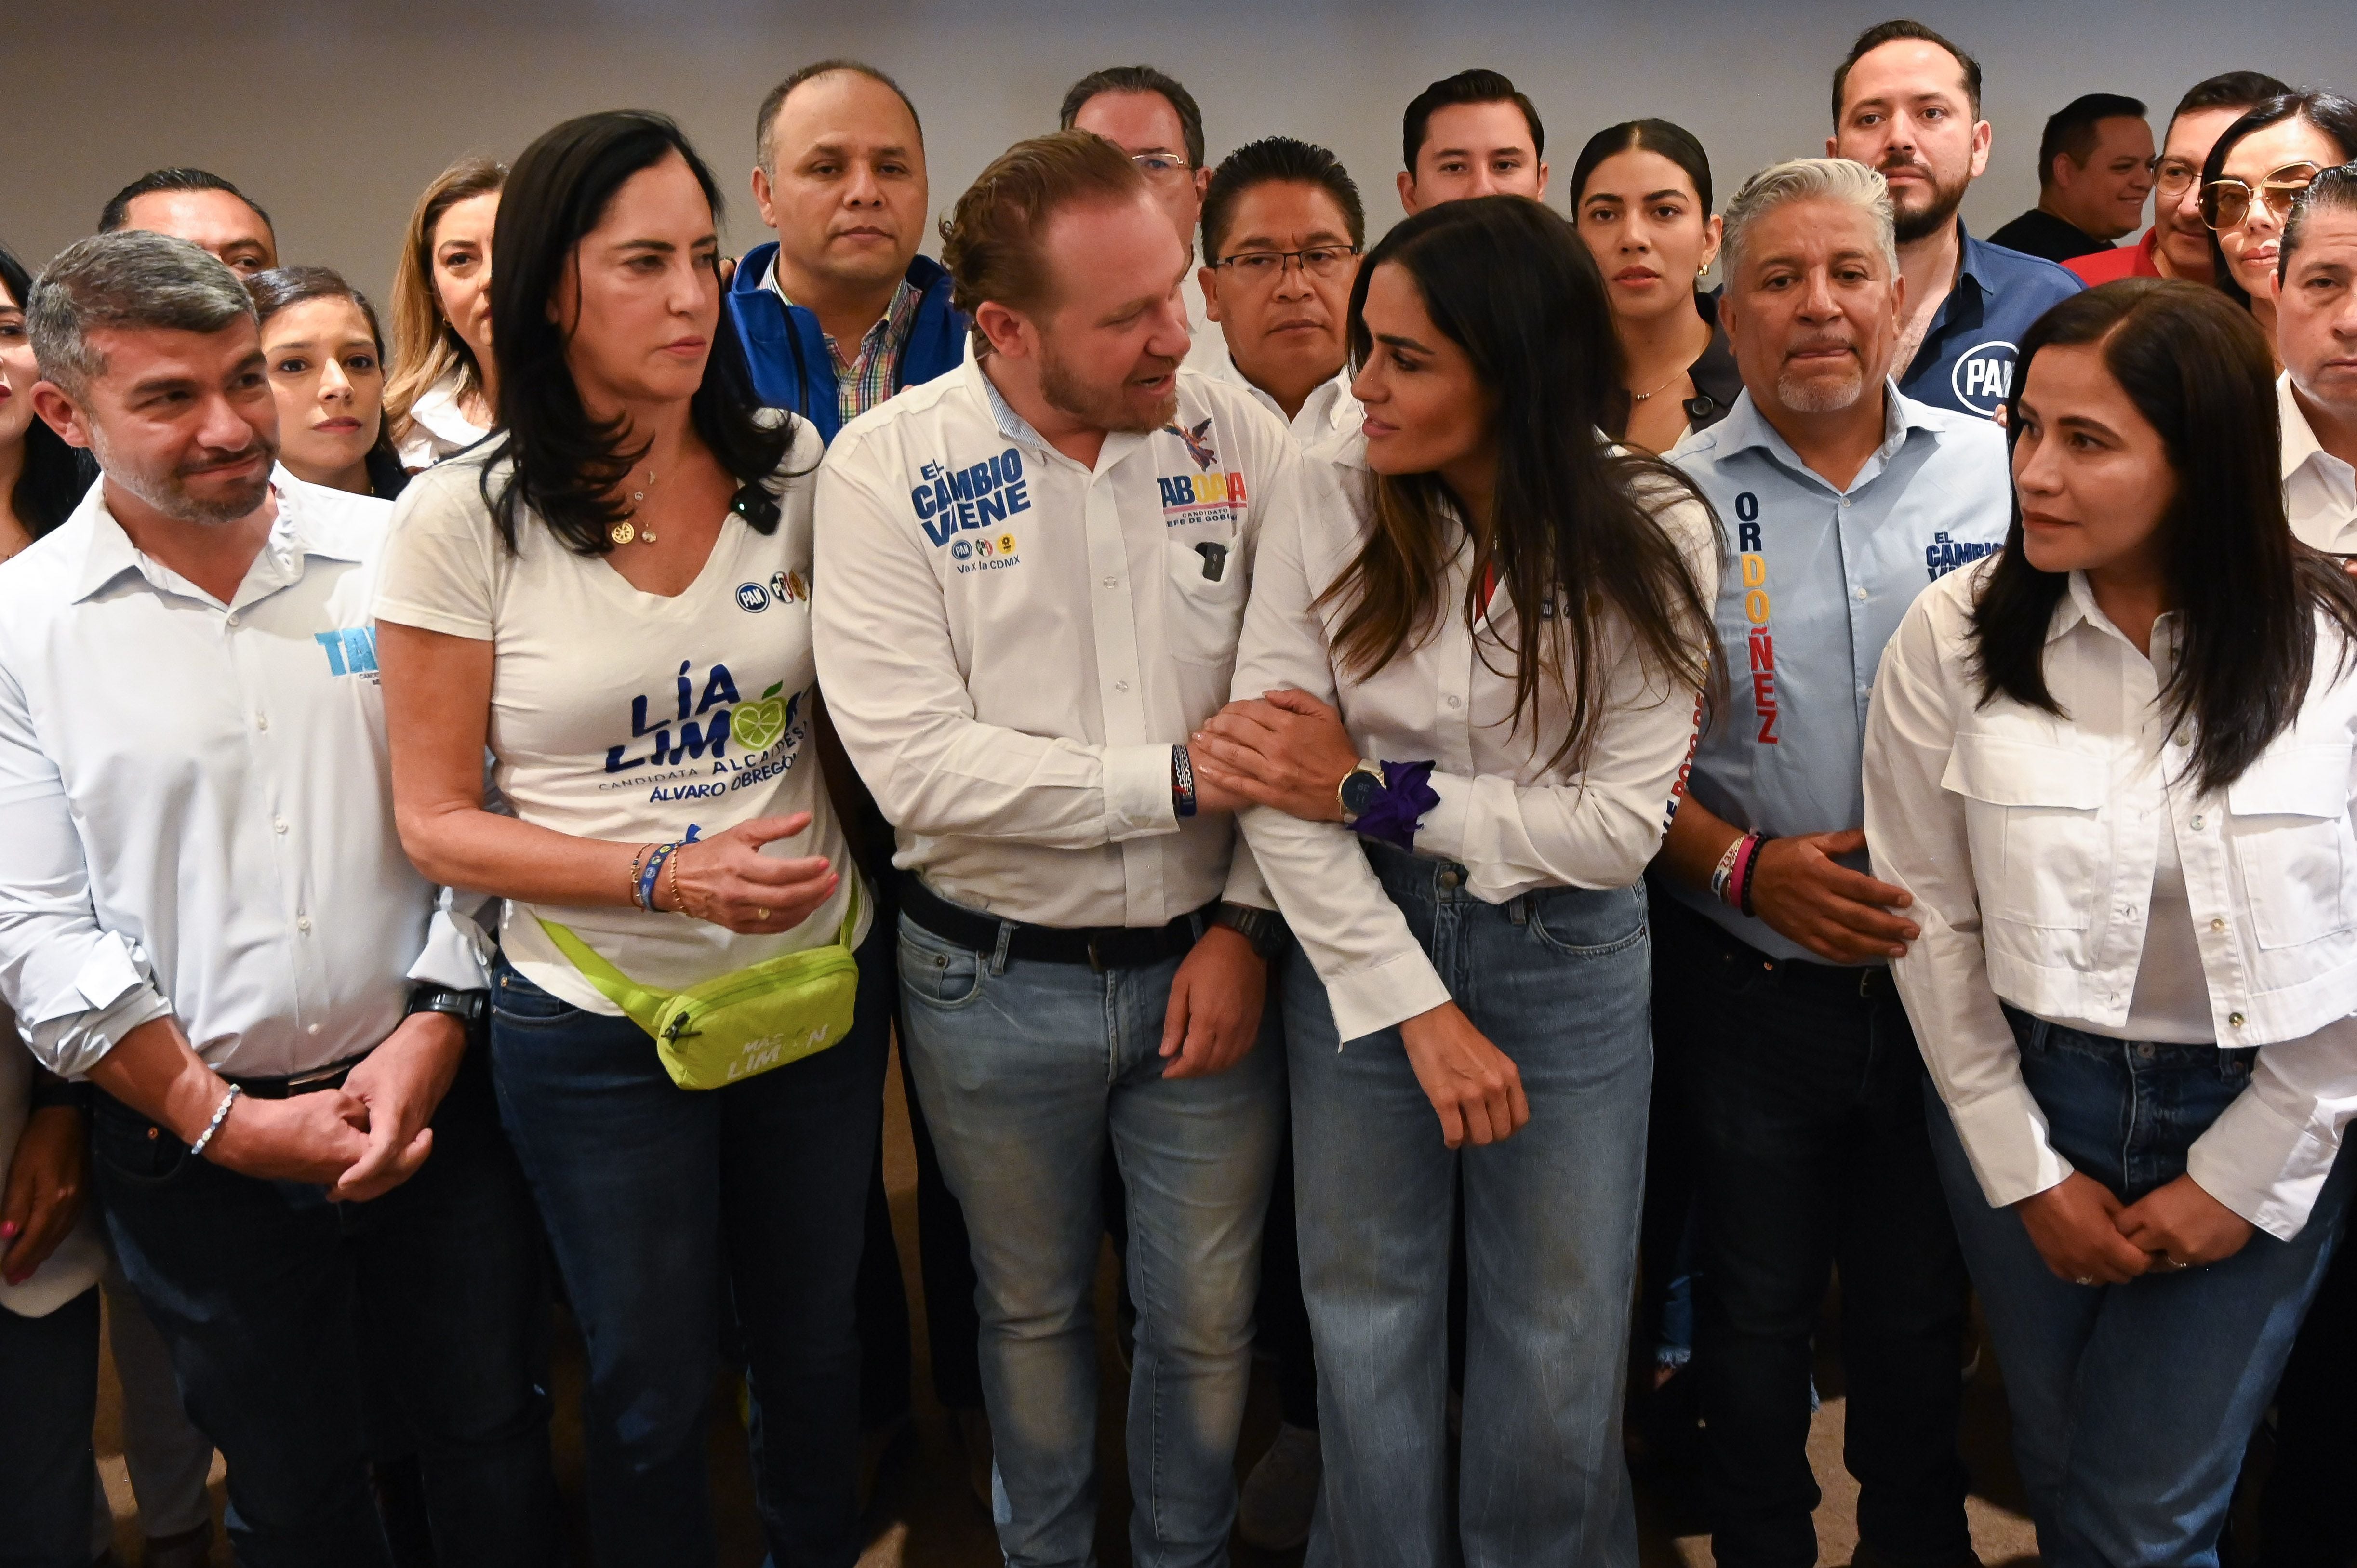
[{"x": 614, "y": 596}]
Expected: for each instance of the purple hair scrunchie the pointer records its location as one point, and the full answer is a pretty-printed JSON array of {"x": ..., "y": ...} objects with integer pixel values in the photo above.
[{"x": 1405, "y": 796}]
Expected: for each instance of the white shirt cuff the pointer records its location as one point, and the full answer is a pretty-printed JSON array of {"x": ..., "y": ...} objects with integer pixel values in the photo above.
[
  {"x": 1441, "y": 832},
  {"x": 1137, "y": 792},
  {"x": 2260, "y": 1165},
  {"x": 72, "y": 1045},
  {"x": 456, "y": 954},
  {"x": 2004, "y": 1135},
  {"x": 1367, "y": 1001}
]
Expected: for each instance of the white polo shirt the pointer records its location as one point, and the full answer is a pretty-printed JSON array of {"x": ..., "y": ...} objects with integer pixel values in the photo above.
[
  {"x": 196, "y": 812},
  {"x": 1328, "y": 413},
  {"x": 1011, "y": 643},
  {"x": 2320, "y": 490}
]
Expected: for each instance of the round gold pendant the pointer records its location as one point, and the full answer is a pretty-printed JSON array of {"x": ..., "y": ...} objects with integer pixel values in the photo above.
[{"x": 621, "y": 533}]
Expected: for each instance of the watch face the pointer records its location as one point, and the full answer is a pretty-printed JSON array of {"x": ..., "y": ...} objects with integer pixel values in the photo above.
[{"x": 1359, "y": 792}]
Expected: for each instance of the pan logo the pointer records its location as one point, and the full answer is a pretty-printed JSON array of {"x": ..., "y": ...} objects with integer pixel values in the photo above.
[{"x": 1984, "y": 377}]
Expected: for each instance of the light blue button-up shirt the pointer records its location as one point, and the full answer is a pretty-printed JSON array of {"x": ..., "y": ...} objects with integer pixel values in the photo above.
[{"x": 1818, "y": 581}]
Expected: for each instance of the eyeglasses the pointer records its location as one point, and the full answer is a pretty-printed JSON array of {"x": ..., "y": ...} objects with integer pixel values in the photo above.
[
  {"x": 1323, "y": 261},
  {"x": 2226, "y": 203},
  {"x": 2171, "y": 176},
  {"x": 1161, "y": 168}
]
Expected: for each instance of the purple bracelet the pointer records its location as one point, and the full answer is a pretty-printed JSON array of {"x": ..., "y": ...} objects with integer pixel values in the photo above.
[{"x": 1400, "y": 805}]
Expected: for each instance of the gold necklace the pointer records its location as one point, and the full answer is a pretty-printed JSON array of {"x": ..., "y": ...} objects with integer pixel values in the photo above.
[
  {"x": 625, "y": 531},
  {"x": 1639, "y": 397}
]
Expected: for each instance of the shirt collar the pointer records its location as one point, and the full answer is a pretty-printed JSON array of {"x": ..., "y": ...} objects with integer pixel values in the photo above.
[
  {"x": 894, "y": 322},
  {"x": 2078, "y": 607},
  {"x": 1011, "y": 425},
  {"x": 1746, "y": 427},
  {"x": 295, "y": 533},
  {"x": 2300, "y": 445},
  {"x": 1977, "y": 263}
]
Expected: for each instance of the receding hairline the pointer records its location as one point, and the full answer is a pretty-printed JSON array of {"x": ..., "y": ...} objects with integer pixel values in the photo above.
[
  {"x": 855, "y": 74},
  {"x": 261, "y": 224},
  {"x": 1177, "y": 120},
  {"x": 1963, "y": 74}
]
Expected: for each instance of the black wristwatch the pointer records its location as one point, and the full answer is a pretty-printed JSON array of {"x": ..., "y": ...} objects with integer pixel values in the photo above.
[
  {"x": 469, "y": 1008},
  {"x": 1359, "y": 788},
  {"x": 1264, "y": 928}
]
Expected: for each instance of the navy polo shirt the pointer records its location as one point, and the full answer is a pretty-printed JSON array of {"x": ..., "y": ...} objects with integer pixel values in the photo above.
[{"x": 1967, "y": 358}]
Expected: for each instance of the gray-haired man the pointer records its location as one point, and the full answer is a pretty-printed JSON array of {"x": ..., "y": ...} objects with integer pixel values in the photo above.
[{"x": 205, "y": 912}]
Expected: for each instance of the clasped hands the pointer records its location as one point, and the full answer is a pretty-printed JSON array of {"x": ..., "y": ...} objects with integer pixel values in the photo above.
[{"x": 2088, "y": 1236}]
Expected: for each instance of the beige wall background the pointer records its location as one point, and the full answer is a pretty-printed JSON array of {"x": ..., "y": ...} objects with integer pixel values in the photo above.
[{"x": 334, "y": 115}]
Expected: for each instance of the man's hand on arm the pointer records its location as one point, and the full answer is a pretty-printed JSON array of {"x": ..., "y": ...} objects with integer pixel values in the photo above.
[
  {"x": 1215, "y": 1005},
  {"x": 400, "y": 1084},
  {"x": 312, "y": 1138}
]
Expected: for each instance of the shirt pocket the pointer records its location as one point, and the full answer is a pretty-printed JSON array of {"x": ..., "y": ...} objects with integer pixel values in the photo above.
[
  {"x": 2041, "y": 851},
  {"x": 2288, "y": 821},
  {"x": 1203, "y": 602}
]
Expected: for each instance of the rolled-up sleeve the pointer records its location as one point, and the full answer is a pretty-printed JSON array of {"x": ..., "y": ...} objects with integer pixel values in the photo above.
[
  {"x": 1915, "y": 833},
  {"x": 888, "y": 668},
  {"x": 76, "y": 989}
]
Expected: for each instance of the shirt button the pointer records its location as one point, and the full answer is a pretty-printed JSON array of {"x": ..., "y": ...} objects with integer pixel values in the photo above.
[
  {"x": 314, "y": 1029},
  {"x": 1456, "y": 702},
  {"x": 2217, "y": 925},
  {"x": 279, "y": 822},
  {"x": 1121, "y": 686},
  {"x": 232, "y": 619},
  {"x": 2235, "y": 1019},
  {"x": 2197, "y": 824},
  {"x": 303, "y": 923},
  {"x": 1861, "y": 596},
  {"x": 261, "y": 721},
  {"x": 1112, "y": 581},
  {"x": 1845, "y": 503}
]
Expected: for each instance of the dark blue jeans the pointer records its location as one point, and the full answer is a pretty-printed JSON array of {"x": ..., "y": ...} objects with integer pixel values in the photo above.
[
  {"x": 671, "y": 1209},
  {"x": 1805, "y": 1089},
  {"x": 269, "y": 1297},
  {"x": 2131, "y": 1403},
  {"x": 49, "y": 1386}
]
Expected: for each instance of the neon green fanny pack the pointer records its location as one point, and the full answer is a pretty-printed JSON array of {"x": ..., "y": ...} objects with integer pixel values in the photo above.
[{"x": 739, "y": 1024}]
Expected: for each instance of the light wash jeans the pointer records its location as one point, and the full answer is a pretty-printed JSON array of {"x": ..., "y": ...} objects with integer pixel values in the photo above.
[
  {"x": 2131, "y": 1403},
  {"x": 1027, "y": 1070},
  {"x": 1560, "y": 982}
]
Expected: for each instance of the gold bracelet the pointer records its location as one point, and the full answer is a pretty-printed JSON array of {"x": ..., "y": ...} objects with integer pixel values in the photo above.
[
  {"x": 678, "y": 902},
  {"x": 636, "y": 861}
]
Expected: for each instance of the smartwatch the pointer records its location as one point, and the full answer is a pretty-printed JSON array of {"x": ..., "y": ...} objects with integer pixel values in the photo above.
[
  {"x": 469, "y": 1008},
  {"x": 1264, "y": 928},
  {"x": 1359, "y": 788}
]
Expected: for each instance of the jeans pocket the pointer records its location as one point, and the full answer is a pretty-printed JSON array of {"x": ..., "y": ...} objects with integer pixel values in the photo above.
[
  {"x": 939, "y": 974},
  {"x": 519, "y": 1003},
  {"x": 1587, "y": 923},
  {"x": 134, "y": 1150}
]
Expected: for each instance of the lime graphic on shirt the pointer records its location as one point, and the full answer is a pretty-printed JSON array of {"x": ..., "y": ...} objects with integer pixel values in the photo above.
[{"x": 757, "y": 726}]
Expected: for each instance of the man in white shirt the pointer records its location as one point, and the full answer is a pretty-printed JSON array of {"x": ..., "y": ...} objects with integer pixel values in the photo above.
[
  {"x": 1156, "y": 121},
  {"x": 1027, "y": 596},
  {"x": 204, "y": 911},
  {"x": 1283, "y": 227},
  {"x": 2316, "y": 336}
]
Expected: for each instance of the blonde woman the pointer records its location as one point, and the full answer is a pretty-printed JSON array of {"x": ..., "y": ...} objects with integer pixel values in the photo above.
[{"x": 444, "y": 395}]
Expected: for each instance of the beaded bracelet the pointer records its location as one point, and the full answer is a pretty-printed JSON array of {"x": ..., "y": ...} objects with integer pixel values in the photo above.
[
  {"x": 653, "y": 873},
  {"x": 221, "y": 1115},
  {"x": 636, "y": 861}
]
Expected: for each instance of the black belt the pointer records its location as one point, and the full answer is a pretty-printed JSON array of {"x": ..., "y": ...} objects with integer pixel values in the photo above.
[
  {"x": 1100, "y": 947},
  {"x": 318, "y": 1080}
]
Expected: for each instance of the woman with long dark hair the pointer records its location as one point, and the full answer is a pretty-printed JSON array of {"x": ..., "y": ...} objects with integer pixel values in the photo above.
[
  {"x": 325, "y": 357},
  {"x": 1640, "y": 197},
  {"x": 41, "y": 478},
  {"x": 614, "y": 595},
  {"x": 1481, "y": 637},
  {"x": 2112, "y": 765},
  {"x": 2255, "y": 170}
]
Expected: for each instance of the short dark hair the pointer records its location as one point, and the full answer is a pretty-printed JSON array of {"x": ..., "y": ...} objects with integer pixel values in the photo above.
[
  {"x": 563, "y": 462},
  {"x": 777, "y": 96},
  {"x": 1473, "y": 86},
  {"x": 1138, "y": 79},
  {"x": 1674, "y": 141},
  {"x": 117, "y": 210},
  {"x": 2071, "y": 130},
  {"x": 2228, "y": 90},
  {"x": 2334, "y": 190},
  {"x": 2329, "y": 111},
  {"x": 1897, "y": 30},
  {"x": 1270, "y": 159}
]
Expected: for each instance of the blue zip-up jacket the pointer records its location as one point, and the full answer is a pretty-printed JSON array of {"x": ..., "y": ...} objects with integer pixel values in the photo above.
[{"x": 787, "y": 353}]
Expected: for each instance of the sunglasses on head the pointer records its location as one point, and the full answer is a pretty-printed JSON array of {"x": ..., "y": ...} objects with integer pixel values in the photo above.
[{"x": 2225, "y": 203}]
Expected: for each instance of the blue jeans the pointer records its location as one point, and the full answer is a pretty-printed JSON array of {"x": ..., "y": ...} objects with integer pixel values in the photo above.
[
  {"x": 49, "y": 1370},
  {"x": 670, "y": 1210},
  {"x": 266, "y": 1294},
  {"x": 1027, "y": 1070},
  {"x": 2131, "y": 1403},
  {"x": 1559, "y": 980}
]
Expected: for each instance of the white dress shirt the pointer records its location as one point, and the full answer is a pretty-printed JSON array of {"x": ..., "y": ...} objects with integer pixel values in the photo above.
[
  {"x": 2030, "y": 842},
  {"x": 195, "y": 813},
  {"x": 2320, "y": 490},
  {"x": 438, "y": 427},
  {"x": 1327, "y": 412},
  {"x": 1515, "y": 820},
  {"x": 1011, "y": 643}
]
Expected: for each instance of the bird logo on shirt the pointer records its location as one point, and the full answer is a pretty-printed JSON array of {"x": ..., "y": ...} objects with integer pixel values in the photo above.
[{"x": 1198, "y": 442}]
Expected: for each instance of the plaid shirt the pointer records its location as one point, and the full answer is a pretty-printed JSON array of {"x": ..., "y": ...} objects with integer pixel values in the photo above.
[{"x": 865, "y": 380}]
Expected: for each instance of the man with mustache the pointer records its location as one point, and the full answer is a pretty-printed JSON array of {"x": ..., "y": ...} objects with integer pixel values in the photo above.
[
  {"x": 1841, "y": 498},
  {"x": 1907, "y": 103},
  {"x": 205, "y": 911},
  {"x": 840, "y": 312},
  {"x": 1028, "y": 587}
]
